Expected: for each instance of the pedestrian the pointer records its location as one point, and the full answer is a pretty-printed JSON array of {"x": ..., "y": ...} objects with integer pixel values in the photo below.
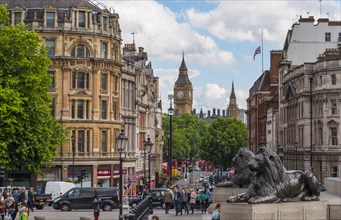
[
  {"x": 208, "y": 194},
  {"x": 197, "y": 202},
  {"x": 144, "y": 194},
  {"x": 155, "y": 217},
  {"x": 184, "y": 201},
  {"x": 22, "y": 211},
  {"x": 16, "y": 196},
  {"x": 177, "y": 200},
  {"x": 193, "y": 199},
  {"x": 96, "y": 206},
  {"x": 30, "y": 200},
  {"x": 13, "y": 210},
  {"x": 216, "y": 212},
  {"x": 202, "y": 201},
  {"x": 2, "y": 209},
  {"x": 22, "y": 196},
  {"x": 8, "y": 202},
  {"x": 168, "y": 200}
]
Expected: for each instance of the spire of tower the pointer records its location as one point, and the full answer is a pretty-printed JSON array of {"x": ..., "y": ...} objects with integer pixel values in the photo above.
[
  {"x": 183, "y": 66},
  {"x": 232, "y": 91}
]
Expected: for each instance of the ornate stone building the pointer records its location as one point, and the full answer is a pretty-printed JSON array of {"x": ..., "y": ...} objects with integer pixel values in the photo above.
[
  {"x": 91, "y": 95},
  {"x": 232, "y": 109},
  {"x": 183, "y": 91},
  {"x": 141, "y": 108}
]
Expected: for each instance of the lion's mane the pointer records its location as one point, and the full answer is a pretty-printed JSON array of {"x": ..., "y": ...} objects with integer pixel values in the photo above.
[{"x": 242, "y": 174}]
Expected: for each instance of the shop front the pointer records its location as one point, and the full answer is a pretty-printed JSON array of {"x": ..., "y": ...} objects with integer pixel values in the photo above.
[{"x": 103, "y": 176}]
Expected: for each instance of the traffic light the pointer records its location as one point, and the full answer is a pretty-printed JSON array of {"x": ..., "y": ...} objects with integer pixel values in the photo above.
[{"x": 2, "y": 171}]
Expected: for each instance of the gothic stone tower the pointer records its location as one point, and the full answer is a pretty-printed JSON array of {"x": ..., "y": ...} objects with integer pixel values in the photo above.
[
  {"x": 232, "y": 109},
  {"x": 183, "y": 91}
]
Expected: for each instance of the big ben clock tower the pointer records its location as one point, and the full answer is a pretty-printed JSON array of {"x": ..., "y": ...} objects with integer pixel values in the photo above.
[{"x": 183, "y": 91}]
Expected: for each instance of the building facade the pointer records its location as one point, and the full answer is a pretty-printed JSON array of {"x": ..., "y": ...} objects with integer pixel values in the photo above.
[
  {"x": 95, "y": 91},
  {"x": 183, "y": 91},
  {"x": 309, "y": 86},
  {"x": 262, "y": 96}
]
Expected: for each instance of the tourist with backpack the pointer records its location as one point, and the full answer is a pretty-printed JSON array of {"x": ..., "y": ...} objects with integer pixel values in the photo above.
[
  {"x": 202, "y": 201},
  {"x": 216, "y": 212}
]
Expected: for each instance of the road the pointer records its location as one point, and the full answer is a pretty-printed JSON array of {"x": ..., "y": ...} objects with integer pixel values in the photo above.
[{"x": 50, "y": 214}]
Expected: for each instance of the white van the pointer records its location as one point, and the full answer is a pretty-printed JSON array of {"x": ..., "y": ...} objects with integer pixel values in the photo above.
[{"x": 57, "y": 188}]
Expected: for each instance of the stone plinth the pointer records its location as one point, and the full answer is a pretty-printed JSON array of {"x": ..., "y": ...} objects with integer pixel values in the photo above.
[
  {"x": 220, "y": 194},
  {"x": 316, "y": 210},
  {"x": 333, "y": 185}
]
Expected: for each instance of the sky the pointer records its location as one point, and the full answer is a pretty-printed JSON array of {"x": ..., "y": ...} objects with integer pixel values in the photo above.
[{"x": 218, "y": 38}]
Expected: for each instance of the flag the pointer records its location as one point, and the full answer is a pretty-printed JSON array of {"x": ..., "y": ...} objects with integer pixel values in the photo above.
[{"x": 257, "y": 51}]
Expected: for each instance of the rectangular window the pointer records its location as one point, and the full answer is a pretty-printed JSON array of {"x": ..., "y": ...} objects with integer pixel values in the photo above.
[
  {"x": 80, "y": 105},
  {"x": 50, "y": 44},
  {"x": 339, "y": 37},
  {"x": 50, "y": 19},
  {"x": 320, "y": 107},
  {"x": 333, "y": 79},
  {"x": 81, "y": 141},
  {"x": 333, "y": 136},
  {"x": 17, "y": 18},
  {"x": 327, "y": 36},
  {"x": 320, "y": 77},
  {"x": 104, "y": 141},
  {"x": 80, "y": 80},
  {"x": 87, "y": 109},
  {"x": 104, "y": 50},
  {"x": 53, "y": 79},
  {"x": 73, "y": 109},
  {"x": 104, "y": 109},
  {"x": 333, "y": 106},
  {"x": 321, "y": 136},
  {"x": 73, "y": 83},
  {"x": 88, "y": 141},
  {"x": 81, "y": 19},
  {"x": 104, "y": 81},
  {"x": 105, "y": 23},
  {"x": 87, "y": 80},
  {"x": 333, "y": 170}
]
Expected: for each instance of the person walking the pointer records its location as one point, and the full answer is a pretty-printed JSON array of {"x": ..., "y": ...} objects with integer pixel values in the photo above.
[
  {"x": 8, "y": 202},
  {"x": 30, "y": 200},
  {"x": 184, "y": 201},
  {"x": 13, "y": 210},
  {"x": 2, "y": 209},
  {"x": 216, "y": 212},
  {"x": 193, "y": 199},
  {"x": 167, "y": 199},
  {"x": 202, "y": 201},
  {"x": 22, "y": 211},
  {"x": 96, "y": 207},
  {"x": 177, "y": 200}
]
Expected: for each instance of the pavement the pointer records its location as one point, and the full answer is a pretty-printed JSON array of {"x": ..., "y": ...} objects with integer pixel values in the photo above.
[{"x": 330, "y": 198}]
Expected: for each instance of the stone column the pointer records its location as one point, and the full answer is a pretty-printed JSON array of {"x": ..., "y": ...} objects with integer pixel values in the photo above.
[
  {"x": 94, "y": 175},
  {"x": 65, "y": 173}
]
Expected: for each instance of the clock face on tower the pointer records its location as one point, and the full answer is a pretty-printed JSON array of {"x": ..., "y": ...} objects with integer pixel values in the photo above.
[{"x": 180, "y": 94}]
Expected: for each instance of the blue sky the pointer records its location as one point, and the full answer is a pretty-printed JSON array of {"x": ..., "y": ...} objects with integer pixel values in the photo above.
[{"x": 218, "y": 38}]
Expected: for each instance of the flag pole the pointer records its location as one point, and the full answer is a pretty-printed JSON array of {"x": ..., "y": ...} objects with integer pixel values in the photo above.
[{"x": 262, "y": 53}]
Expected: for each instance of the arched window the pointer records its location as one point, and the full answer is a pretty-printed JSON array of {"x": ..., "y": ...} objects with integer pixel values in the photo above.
[{"x": 80, "y": 51}]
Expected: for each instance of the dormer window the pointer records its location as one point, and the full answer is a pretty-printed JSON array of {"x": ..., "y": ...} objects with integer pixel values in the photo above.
[
  {"x": 81, "y": 19},
  {"x": 50, "y": 19},
  {"x": 105, "y": 23},
  {"x": 80, "y": 51}
]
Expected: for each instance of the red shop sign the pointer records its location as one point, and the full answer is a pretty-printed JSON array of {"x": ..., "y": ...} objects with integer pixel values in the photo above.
[
  {"x": 103, "y": 172},
  {"x": 117, "y": 172}
]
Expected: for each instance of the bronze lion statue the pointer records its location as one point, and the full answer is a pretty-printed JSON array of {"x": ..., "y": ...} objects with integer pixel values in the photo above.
[
  {"x": 273, "y": 183},
  {"x": 242, "y": 174}
]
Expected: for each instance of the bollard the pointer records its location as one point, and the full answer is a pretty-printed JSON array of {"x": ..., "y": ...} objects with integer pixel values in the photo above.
[{"x": 39, "y": 218}]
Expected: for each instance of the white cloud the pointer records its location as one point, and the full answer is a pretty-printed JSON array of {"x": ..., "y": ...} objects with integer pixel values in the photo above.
[
  {"x": 241, "y": 21},
  {"x": 156, "y": 29}
]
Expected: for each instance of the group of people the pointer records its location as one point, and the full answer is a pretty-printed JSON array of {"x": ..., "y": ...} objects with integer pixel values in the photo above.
[
  {"x": 13, "y": 204},
  {"x": 186, "y": 199}
]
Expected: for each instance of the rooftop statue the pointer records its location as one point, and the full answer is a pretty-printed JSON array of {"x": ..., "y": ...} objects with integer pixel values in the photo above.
[
  {"x": 242, "y": 174},
  {"x": 273, "y": 183}
]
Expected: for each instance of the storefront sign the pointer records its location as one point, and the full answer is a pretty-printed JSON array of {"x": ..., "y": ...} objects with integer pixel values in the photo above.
[
  {"x": 116, "y": 173},
  {"x": 103, "y": 173}
]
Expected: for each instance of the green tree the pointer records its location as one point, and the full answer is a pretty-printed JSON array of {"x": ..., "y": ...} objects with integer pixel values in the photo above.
[
  {"x": 187, "y": 135},
  {"x": 28, "y": 133},
  {"x": 223, "y": 139}
]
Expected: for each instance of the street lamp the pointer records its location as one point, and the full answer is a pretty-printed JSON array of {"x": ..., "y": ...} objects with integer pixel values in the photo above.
[
  {"x": 170, "y": 113},
  {"x": 121, "y": 141},
  {"x": 148, "y": 145},
  {"x": 296, "y": 144},
  {"x": 73, "y": 155}
]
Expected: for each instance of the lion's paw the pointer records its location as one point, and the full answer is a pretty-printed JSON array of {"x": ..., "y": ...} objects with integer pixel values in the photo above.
[{"x": 232, "y": 199}]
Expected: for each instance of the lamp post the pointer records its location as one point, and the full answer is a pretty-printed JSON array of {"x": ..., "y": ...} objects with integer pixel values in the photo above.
[
  {"x": 121, "y": 141},
  {"x": 170, "y": 113},
  {"x": 73, "y": 155},
  {"x": 296, "y": 144},
  {"x": 148, "y": 145}
]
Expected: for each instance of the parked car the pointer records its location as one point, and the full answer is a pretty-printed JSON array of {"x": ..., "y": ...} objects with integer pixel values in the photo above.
[
  {"x": 157, "y": 201},
  {"x": 82, "y": 198},
  {"x": 54, "y": 189}
]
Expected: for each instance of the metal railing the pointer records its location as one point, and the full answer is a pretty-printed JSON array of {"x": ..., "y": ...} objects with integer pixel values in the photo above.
[{"x": 142, "y": 210}]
